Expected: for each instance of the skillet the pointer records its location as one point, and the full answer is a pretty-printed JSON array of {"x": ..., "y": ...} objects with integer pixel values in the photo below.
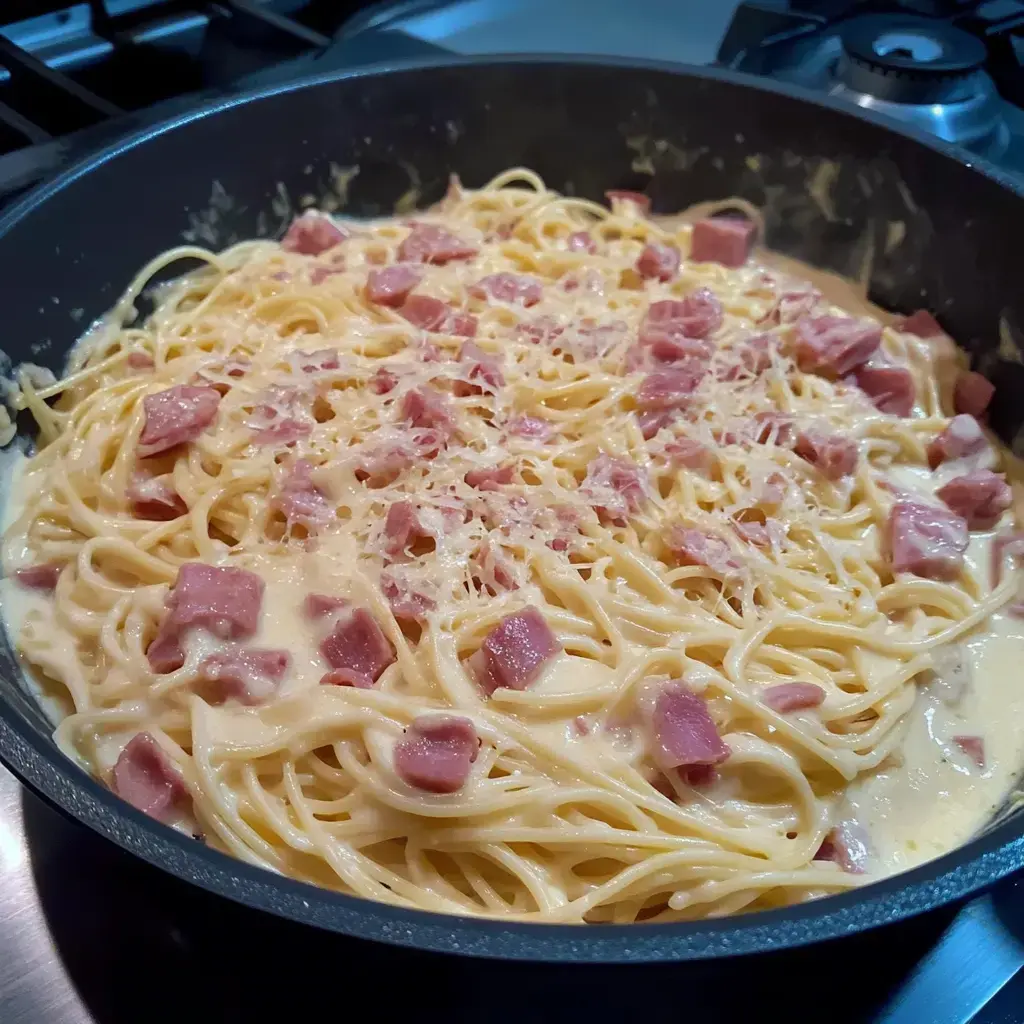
[{"x": 921, "y": 222}]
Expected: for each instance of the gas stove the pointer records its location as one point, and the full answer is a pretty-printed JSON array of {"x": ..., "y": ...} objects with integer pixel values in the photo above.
[{"x": 89, "y": 935}]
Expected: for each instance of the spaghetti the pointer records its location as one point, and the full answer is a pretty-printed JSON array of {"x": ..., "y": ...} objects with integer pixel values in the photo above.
[{"x": 517, "y": 402}]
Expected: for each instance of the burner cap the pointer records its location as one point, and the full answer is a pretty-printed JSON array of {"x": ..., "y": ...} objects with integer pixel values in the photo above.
[{"x": 907, "y": 59}]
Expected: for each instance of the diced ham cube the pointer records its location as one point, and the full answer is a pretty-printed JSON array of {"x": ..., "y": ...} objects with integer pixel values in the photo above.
[
  {"x": 140, "y": 361},
  {"x": 658, "y": 261},
  {"x": 346, "y": 677},
  {"x": 249, "y": 675},
  {"x": 651, "y": 421},
  {"x": 491, "y": 478},
  {"x": 300, "y": 501},
  {"x": 753, "y": 355},
  {"x": 317, "y": 362},
  {"x": 724, "y": 240},
  {"x": 319, "y": 606},
  {"x": 383, "y": 381},
  {"x": 493, "y": 570},
  {"x": 391, "y": 286},
  {"x": 428, "y": 243},
  {"x": 358, "y": 644},
  {"x": 674, "y": 320},
  {"x": 962, "y": 437},
  {"x": 312, "y": 234},
  {"x": 833, "y": 455},
  {"x": 409, "y": 600},
  {"x": 175, "y": 416},
  {"x": 281, "y": 416},
  {"x": 515, "y": 651},
  {"x": 615, "y": 488},
  {"x": 531, "y": 426},
  {"x": 689, "y": 454},
  {"x": 513, "y": 288},
  {"x": 926, "y": 540},
  {"x": 436, "y": 753},
  {"x": 847, "y": 844},
  {"x": 426, "y": 407},
  {"x": 146, "y": 777},
  {"x": 154, "y": 499},
  {"x": 981, "y": 497},
  {"x": 437, "y": 317},
  {"x": 922, "y": 324},
  {"x": 43, "y": 576},
  {"x": 672, "y": 387},
  {"x": 793, "y": 305},
  {"x": 483, "y": 373},
  {"x": 637, "y": 199},
  {"x": 683, "y": 733},
  {"x": 760, "y": 534},
  {"x": 891, "y": 388},
  {"x": 835, "y": 345},
  {"x": 690, "y": 546},
  {"x": 972, "y": 393},
  {"x": 973, "y": 747},
  {"x": 581, "y": 241},
  {"x": 786, "y": 697}
]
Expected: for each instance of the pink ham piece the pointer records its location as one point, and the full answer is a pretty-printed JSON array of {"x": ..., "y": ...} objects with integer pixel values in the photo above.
[
  {"x": 428, "y": 243},
  {"x": 300, "y": 501},
  {"x": 319, "y": 606},
  {"x": 531, "y": 426},
  {"x": 891, "y": 388},
  {"x": 981, "y": 497},
  {"x": 672, "y": 387},
  {"x": 760, "y": 534},
  {"x": 492, "y": 570},
  {"x": 140, "y": 361},
  {"x": 146, "y": 777},
  {"x": 437, "y": 317},
  {"x": 357, "y": 644},
  {"x": 921, "y": 324},
  {"x": 223, "y": 600},
  {"x": 391, "y": 286},
  {"x": 690, "y": 546},
  {"x": 670, "y": 322},
  {"x": 835, "y": 345},
  {"x": 651, "y": 421},
  {"x": 786, "y": 697},
  {"x": 484, "y": 371},
  {"x": 154, "y": 499},
  {"x": 793, "y": 305},
  {"x": 175, "y": 416},
  {"x": 772, "y": 428},
  {"x": 689, "y": 454},
  {"x": 833, "y": 455},
  {"x": 513, "y": 288},
  {"x": 658, "y": 261},
  {"x": 248, "y": 675},
  {"x": 281, "y": 417},
  {"x": 637, "y": 199},
  {"x": 403, "y": 526},
  {"x": 492, "y": 478},
  {"x": 962, "y": 437},
  {"x": 43, "y": 576},
  {"x": 848, "y": 846},
  {"x": 409, "y": 600},
  {"x": 926, "y": 540},
  {"x": 724, "y": 240},
  {"x": 972, "y": 393},
  {"x": 312, "y": 234},
  {"x": 682, "y": 730},
  {"x": 581, "y": 241},
  {"x": 515, "y": 651},
  {"x": 973, "y": 747},
  {"x": 615, "y": 488},
  {"x": 753, "y": 356},
  {"x": 383, "y": 381},
  {"x": 426, "y": 407},
  {"x": 436, "y": 752},
  {"x": 316, "y": 362},
  {"x": 381, "y": 465},
  {"x": 346, "y": 677}
]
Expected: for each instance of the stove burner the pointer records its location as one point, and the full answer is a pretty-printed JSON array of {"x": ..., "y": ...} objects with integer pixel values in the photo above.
[{"x": 921, "y": 71}]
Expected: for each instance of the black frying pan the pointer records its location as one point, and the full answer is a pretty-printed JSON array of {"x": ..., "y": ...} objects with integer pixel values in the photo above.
[{"x": 830, "y": 183}]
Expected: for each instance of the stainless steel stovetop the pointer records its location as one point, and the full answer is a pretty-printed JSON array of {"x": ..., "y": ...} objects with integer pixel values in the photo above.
[{"x": 89, "y": 935}]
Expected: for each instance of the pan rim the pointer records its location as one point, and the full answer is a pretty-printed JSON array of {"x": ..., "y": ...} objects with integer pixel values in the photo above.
[{"x": 42, "y": 767}]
